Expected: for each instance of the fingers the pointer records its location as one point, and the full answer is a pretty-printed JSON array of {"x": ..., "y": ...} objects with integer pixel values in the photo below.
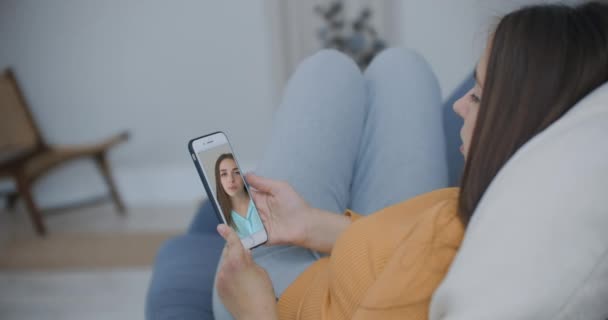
[
  {"x": 232, "y": 239},
  {"x": 234, "y": 247},
  {"x": 262, "y": 184},
  {"x": 258, "y": 199},
  {"x": 261, "y": 204},
  {"x": 234, "y": 257},
  {"x": 255, "y": 195}
]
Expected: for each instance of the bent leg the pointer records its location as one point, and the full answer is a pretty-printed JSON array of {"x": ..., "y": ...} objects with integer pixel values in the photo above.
[
  {"x": 317, "y": 130},
  {"x": 402, "y": 150},
  {"x": 314, "y": 144}
]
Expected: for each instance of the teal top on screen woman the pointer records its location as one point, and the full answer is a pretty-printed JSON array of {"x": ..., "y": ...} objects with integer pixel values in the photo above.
[{"x": 249, "y": 225}]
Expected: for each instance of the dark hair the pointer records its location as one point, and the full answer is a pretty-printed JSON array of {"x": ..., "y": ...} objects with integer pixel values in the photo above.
[
  {"x": 543, "y": 59},
  {"x": 222, "y": 197}
]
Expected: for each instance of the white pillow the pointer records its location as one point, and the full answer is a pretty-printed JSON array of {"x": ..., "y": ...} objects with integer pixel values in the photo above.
[{"x": 537, "y": 245}]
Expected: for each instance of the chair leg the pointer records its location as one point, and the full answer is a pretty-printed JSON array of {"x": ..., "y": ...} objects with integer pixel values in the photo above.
[
  {"x": 25, "y": 190},
  {"x": 104, "y": 167},
  {"x": 11, "y": 200}
]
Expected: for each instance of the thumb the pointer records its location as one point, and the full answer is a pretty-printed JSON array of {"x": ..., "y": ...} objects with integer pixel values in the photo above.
[
  {"x": 261, "y": 206},
  {"x": 257, "y": 197},
  {"x": 262, "y": 184},
  {"x": 232, "y": 239}
]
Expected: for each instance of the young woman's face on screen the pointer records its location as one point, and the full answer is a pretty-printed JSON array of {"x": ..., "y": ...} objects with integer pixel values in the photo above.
[
  {"x": 230, "y": 177},
  {"x": 467, "y": 106}
]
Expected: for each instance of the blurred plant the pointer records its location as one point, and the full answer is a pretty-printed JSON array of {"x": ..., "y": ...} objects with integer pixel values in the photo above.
[{"x": 356, "y": 38}]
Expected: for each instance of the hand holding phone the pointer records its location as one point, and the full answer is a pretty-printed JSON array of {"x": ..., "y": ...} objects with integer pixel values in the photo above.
[
  {"x": 243, "y": 286},
  {"x": 230, "y": 196},
  {"x": 284, "y": 212}
]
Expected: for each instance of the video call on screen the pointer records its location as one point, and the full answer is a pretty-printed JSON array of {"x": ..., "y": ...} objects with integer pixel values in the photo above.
[{"x": 231, "y": 194}]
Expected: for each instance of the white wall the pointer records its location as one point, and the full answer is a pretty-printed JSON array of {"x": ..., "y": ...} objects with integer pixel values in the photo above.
[
  {"x": 167, "y": 71},
  {"x": 451, "y": 34},
  {"x": 172, "y": 70}
]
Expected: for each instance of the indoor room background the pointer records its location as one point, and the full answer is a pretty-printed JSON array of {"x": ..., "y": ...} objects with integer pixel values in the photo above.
[
  {"x": 166, "y": 72},
  {"x": 170, "y": 71}
]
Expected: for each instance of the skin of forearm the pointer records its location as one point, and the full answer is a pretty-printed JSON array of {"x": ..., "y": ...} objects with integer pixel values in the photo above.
[
  {"x": 265, "y": 313},
  {"x": 323, "y": 229}
]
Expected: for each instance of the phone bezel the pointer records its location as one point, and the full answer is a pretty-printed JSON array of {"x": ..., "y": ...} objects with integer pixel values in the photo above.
[{"x": 202, "y": 143}]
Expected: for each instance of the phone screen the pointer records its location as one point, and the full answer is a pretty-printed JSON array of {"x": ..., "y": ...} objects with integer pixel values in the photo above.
[{"x": 228, "y": 188}]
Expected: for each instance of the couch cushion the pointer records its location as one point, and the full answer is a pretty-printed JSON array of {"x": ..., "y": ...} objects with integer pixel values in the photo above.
[{"x": 537, "y": 246}]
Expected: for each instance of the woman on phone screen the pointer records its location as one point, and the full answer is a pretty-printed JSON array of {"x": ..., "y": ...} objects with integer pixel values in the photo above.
[{"x": 237, "y": 206}]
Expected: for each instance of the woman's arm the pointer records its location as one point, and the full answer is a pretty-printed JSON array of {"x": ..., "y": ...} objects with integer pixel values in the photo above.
[
  {"x": 289, "y": 219},
  {"x": 322, "y": 229},
  {"x": 243, "y": 286}
]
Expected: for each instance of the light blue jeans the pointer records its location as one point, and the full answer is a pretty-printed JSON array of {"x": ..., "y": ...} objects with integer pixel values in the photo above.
[{"x": 346, "y": 139}]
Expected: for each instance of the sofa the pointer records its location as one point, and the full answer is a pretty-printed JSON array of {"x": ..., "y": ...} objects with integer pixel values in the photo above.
[{"x": 536, "y": 247}]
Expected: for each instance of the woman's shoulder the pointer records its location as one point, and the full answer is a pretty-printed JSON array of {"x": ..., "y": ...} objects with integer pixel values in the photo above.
[
  {"x": 443, "y": 201},
  {"x": 432, "y": 215},
  {"x": 427, "y": 200},
  {"x": 412, "y": 248},
  {"x": 419, "y": 230}
]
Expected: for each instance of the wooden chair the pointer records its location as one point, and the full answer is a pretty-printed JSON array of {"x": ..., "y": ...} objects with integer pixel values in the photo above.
[{"x": 25, "y": 156}]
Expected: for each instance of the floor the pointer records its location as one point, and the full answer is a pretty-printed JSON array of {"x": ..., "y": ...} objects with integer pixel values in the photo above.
[{"x": 111, "y": 294}]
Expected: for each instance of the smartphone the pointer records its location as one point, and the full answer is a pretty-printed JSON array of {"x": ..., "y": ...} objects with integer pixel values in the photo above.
[{"x": 226, "y": 188}]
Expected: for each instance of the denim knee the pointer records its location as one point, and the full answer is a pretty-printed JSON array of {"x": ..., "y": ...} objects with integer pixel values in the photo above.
[
  {"x": 393, "y": 60},
  {"x": 330, "y": 61}
]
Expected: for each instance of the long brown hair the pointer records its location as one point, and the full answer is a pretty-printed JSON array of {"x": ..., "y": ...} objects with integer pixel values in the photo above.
[
  {"x": 543, "y": 59},
  {"x": 222, "y": 197}
]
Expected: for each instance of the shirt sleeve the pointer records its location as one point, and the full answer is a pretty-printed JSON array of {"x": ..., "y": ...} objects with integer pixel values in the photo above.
[{"x": 404, "y": 287}]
